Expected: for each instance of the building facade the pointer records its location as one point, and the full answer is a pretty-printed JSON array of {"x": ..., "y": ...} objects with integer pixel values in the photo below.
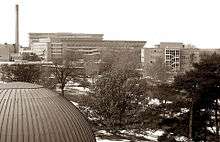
[
  {"x": 168, "y": 56},
  {"x": 55, "y": 45},
  {"x": 91, "y": 47}
]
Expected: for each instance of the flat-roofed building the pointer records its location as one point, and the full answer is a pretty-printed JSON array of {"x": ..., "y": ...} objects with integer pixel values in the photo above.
[
  {"x": 125, "y": 52},
  {"x": 171, "y": 56},
  {"x": 188, "y": 56},
  {"x": 54, "y": 45},
  {"x": 91, "y": 47}
]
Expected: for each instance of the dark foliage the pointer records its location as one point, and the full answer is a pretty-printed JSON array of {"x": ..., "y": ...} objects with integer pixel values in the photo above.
[
  {"x": 201, "y": 88},
  {"x": 21, "y": 72},
  {"x": 166, "y": 138},
  {"x": 30, "y": 57}
]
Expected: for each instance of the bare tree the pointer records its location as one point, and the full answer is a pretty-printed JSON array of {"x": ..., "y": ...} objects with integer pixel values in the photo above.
[{"x": 66, "y": 68}]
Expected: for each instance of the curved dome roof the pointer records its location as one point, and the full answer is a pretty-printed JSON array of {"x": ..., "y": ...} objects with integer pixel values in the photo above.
[{"x": 31, "y": 113}]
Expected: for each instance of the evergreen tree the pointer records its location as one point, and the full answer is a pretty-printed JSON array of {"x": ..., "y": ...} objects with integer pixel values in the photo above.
[{"x": 202, "y": 89}]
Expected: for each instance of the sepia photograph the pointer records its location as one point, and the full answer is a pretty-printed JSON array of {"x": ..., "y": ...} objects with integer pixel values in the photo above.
[{"x": 109, "y": 71}]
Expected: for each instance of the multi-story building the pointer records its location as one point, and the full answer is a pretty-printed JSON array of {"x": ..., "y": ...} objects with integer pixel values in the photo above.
[
  {"x": 189, "y": 55},
  {"x": 91, "y": 47},
  {"x": 173, "y": 57},
  {"x": 23, "y": 50},
  {"x": 55, "y": 45}
]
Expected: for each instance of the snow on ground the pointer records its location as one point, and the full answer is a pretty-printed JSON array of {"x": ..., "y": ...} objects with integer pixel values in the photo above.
[
  {"x": 76, "y": 90},
  {"x": 73, "y": 87},
  {"x": 106, "y": 140},
  {"x": 70, "y": 86},
  {"x": 212, "y": 129},
  {"x": 104, "y": 132},
  {"x": 76, "y": 104},
  {"x": 153, "y": 135},
  {"x": 181, "y": 139},
  {"x": 69, "y": 83},
  {"x": 150, "y": 135},
  {"x": 183, "y": 110},
  {"x": 81, "y": 89},
  {"x": 154, "y": 102},
  {"x": 3, "y": 82}
]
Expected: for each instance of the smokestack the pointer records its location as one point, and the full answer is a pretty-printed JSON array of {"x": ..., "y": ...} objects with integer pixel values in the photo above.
[{"x": 17, "y": 30}]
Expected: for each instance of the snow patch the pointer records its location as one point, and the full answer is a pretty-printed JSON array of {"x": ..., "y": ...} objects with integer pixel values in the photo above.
[
  {"x": 76, "y": 104},
  {"x": 106, "y": 140},
  {"x": 181, "y": 139},
  {"x": 81, "y": 89},
  {"x": 150, "y": 135},
  {"x": 154, "y": 102},
  {"x": 2, "y": 82},
  {"x": 104, "y": 132}
]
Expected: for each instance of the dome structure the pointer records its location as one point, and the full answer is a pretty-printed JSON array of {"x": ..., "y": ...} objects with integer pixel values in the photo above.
[{"x": 31, "y": 113}]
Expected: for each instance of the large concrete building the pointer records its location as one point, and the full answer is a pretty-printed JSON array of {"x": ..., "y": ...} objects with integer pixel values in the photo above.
[
  {"x": 91, "y": 47},
  {"x": 55, "y": 45},
  {"x": 175, "y": 57}
]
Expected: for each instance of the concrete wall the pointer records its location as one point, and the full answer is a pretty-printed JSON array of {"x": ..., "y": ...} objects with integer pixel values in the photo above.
[
  {"x": 5, "y": 51},
  {"x": 153, "y": 59}
]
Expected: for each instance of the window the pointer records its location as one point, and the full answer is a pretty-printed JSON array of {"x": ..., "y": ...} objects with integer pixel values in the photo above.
[{"x": 177, "y": 53}]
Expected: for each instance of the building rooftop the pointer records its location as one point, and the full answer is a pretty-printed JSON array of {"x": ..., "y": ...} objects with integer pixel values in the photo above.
[
  {"x": 67, "y": 35},
  {"x": 31, "y": 113}
]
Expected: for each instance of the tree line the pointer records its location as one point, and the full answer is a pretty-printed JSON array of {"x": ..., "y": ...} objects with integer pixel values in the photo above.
[{"x": 60, "y": 71}]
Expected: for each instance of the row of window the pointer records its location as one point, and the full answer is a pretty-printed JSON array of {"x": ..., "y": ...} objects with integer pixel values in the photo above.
[
  {"x": 171, "y": 56},
  {"x": 54, "y": 51},
  {"x": 174, "y": 52}
]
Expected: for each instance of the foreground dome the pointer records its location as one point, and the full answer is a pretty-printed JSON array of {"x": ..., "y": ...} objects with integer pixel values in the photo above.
[{"x": 31, "y": 113}]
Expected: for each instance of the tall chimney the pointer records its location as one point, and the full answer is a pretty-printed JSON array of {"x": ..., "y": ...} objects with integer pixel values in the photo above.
[{"x": 17, "y": 30}]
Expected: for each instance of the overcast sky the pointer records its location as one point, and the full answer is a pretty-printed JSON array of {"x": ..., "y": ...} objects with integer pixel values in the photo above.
[{"x": 189, "y": 21}]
